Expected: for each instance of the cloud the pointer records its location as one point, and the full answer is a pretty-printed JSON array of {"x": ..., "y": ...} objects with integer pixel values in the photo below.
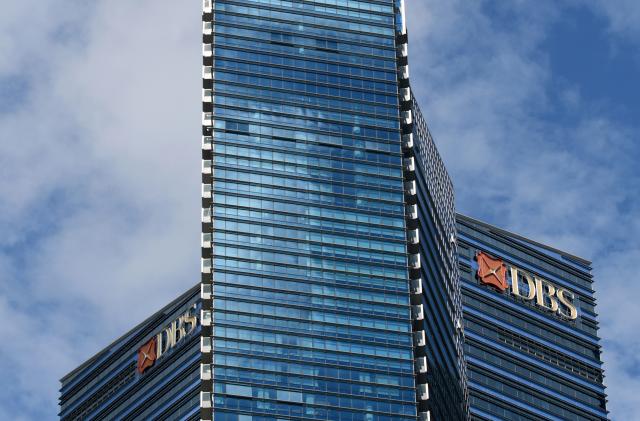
[
  {"x": 623, "y": 17},
  {"x": 99, "y": 194},
  {"x": 530, "y": 152}
]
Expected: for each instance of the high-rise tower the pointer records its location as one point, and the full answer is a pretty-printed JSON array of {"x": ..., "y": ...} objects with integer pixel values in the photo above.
[
  {"x": 433, "y": 264},
  {"x": 532, "y": 343},
  {"x": 316, "y": 167}
]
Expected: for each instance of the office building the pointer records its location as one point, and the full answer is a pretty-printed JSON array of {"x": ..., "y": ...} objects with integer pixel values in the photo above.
[
  {"x": 434, "y": 274},
  {"x": 150, "y": 373},
  {"x": 531, "y": 329},
  {"x": 307, "y": 280}
]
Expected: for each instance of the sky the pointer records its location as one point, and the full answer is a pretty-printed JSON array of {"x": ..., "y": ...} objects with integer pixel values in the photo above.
[{"x": 534, "y": 105}]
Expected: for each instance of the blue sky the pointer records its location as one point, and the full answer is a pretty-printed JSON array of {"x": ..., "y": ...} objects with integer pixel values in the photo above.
[{"x": 534, "y": 105}]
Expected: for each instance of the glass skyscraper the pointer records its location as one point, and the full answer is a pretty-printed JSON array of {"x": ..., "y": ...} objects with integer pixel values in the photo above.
[
  {"x": 313, "y": 293},
  {"x": 435, "y": 277},
  {"x": 532, "y": 345}
]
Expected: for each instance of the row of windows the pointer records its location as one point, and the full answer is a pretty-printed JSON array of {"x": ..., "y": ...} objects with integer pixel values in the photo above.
[
  {"x": 108, "y": 390},
  {"x": 177, "y": 374},
  {"x": 502, "y": 412},
  {"x": 340, "y": 149},
  {"x": 286, "y": 263},
  {"x": 305, "y": 211},
  {"x": 296, "y": 410},
  {"x": 544, "y": 379},
  {"x": 294, "y": 26},
  {"x": 317, "y": 101},
  {"x": 532, "y": 348},
  {"x": 259, "y": 244},
  {"x": 376, "y": 6},
  {"x": 551, "y": 356},
  {"x": 307, "y": 235},
  {"x": 315, "y": 315},
  {"x": 307, "y": 88},
  {"x": 248, "y": 116},
  {"x": 307, "y": 398},
  {"x": 397, "y": 282},
  {"x": 318, "y": 371},
  {"x": 311, "y": 287},
  {"x": 355, "y": 147},
  {"x": 236, "y": 245},
  {"x": 327, "y": 55},
  {"x": 313, "y": 384},
  {"x": 398, "y": 368},
  {"x": 302, "y": 221},
  {"x": 168, "y": 406},
  {"x": 543, "y": 331},
  {"x": 279, "y": 160},
  {"x": 291, "y": 110},
  {"x": 277, "y": 168},
  {"x": 269, "y": 66},
  {"x": 188, "y": 409},
  {"x": 311, "y": 186},
  {"x": 300, "y": 18},
  {"x": 256, "y": 241},
  {"x": 311, "y": 301},
  {"x": 348, "y": 58},
  {"x": 342, "y": 332},
  {"x": 324, "y": 176},
  {"x": 268, "y": 192},
  {"x": 324, "y": 8},
  {"x": 525, "y": 396}
]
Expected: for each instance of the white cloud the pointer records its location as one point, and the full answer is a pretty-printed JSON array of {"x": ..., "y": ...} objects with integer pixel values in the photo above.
[{"x": 99, "y": 194}]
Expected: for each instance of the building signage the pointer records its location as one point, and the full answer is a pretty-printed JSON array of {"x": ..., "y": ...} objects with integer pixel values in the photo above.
[
  {"x": 172, "y": 335},
  {"x": 492, "y": 271}
]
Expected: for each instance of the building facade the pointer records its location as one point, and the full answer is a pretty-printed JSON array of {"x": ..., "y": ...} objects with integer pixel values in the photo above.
[
  {"x": 434, "y": 274},
  {"x": 531, "y": 330},
  {"x": 150, "y": 373},
  {"x": 315, "y": 300}
]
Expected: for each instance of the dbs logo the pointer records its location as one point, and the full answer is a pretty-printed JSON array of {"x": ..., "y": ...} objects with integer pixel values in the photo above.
[
  {"x": 147, "y": 355},
  {"x": 494, "y": 272}
]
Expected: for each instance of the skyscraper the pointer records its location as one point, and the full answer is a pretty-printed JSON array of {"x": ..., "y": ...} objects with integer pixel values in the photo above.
[
  {"x": 150, "y": 373},
  {"x": 433, "y": 264},
  {"x": 531, "y": 329},
  {"x": 312, "y": 301}
]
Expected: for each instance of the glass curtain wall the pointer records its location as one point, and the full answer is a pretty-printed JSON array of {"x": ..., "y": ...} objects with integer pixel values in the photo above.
[{"x": 304, "y": 244}]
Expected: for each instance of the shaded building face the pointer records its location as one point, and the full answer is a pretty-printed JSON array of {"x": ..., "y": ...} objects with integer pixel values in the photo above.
[
  {"x": 433, "y": 269},
  {"x": 307, "y": 303},
  {"x": 531, "y": 330},
  {"x": 151, "y": 372}
]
